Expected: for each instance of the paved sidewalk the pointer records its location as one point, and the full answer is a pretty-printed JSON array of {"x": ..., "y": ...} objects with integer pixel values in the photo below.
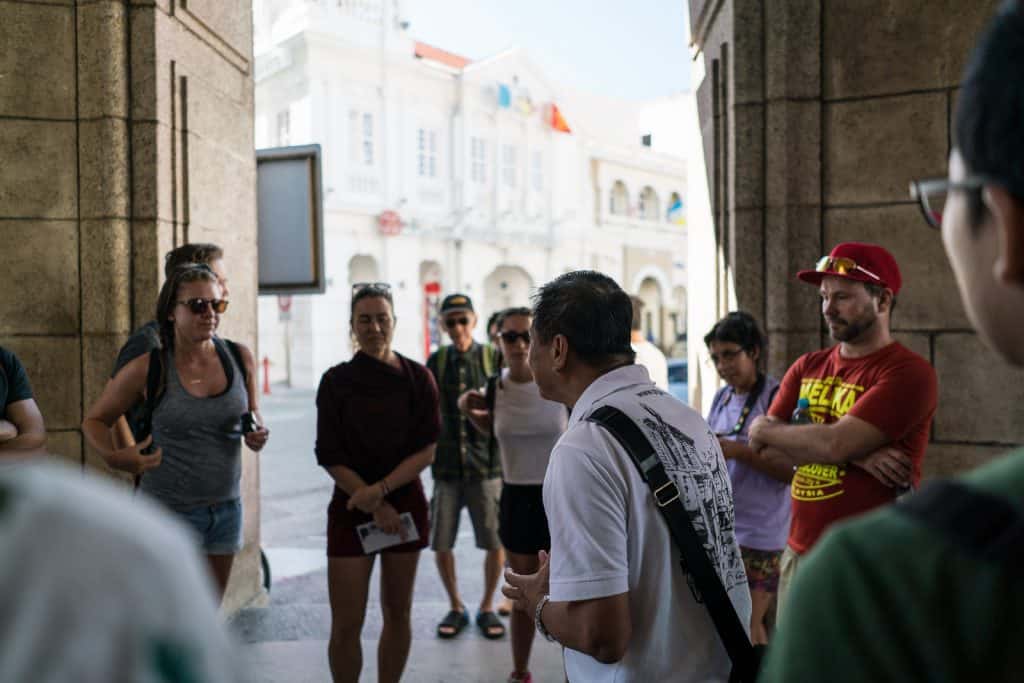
[{"x": 287, "y": 641}]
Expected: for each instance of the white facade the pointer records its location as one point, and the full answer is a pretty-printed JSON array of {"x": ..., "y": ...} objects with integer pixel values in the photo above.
[{"x": 492, "y": 201}]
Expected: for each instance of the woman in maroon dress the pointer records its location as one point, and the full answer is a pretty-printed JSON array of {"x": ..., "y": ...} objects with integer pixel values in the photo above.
[{"x": 378, "y": 421}]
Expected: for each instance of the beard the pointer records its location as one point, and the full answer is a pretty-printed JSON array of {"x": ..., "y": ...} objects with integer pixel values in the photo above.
[{"x": 850, "y": 331}]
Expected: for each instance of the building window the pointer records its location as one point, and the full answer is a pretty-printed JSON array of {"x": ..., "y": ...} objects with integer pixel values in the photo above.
[
  {"x": 619, "y": 204},
  {"x": 478, "y": 160},
  {"x": 284, "y": 133},
  {"x": 426, "y": 145},
  {"x": 367, "y": 139},
  {"x": 648, "y": 204},
  {"x": 508, "y": 166},
  {"x": 538, "y": 171}
]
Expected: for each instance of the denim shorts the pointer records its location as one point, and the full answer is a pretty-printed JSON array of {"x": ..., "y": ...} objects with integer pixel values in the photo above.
[{"x": 219, "y": 526}]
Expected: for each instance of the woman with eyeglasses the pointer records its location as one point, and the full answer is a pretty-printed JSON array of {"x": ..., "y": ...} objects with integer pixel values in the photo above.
[
  {"x": 378, "y": 421},
  {"x": 204, "y": 389},
  {"x": 760, "y": 489},
  {"x": 526, "y": 427}
]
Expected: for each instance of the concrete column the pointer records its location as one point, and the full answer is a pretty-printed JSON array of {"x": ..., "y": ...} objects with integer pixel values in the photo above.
[
  {"x": 125, "y": 129},
  {"x": 815, "y": 117}
]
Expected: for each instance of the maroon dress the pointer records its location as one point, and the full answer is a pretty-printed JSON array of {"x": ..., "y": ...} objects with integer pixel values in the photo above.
[{"x": 370, "y": 417}]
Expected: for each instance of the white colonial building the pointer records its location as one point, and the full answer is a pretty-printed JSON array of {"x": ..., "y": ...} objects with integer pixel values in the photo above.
[{"x": 444, "y": 175}]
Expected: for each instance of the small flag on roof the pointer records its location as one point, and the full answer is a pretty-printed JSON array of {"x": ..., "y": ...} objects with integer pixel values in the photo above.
[
  {"x": 504, "y": 96},
  {"x": 557, "y": 121}
]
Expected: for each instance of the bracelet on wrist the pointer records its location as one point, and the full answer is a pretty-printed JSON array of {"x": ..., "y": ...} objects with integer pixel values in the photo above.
[{"x": 538, "y": 624}]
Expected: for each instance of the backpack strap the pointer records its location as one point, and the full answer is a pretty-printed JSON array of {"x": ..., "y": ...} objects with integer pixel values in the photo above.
[
  {"x": 487, "y": 359},
  {"x": 983, "y": 525},
  {"x": 236, "y": 354},
  {"x": 442, "y": 365},
  {"x": 703, "y": 579},
  {"x": 156, "y": 384}
]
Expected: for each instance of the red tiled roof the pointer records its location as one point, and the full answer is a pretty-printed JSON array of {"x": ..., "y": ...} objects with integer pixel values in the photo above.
[{"x": 424, "y": 51}]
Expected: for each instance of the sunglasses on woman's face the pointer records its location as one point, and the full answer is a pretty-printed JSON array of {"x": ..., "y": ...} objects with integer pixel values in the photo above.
[
  {"x": 452, "y": 322},
  {"x": 198, "y": 306},
  {"x": 511, "y": 337}
]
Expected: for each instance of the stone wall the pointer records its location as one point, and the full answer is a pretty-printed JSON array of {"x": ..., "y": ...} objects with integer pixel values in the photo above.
[
  {"x": 815, "y": 117},
  {"x": 125, "y": 130}
]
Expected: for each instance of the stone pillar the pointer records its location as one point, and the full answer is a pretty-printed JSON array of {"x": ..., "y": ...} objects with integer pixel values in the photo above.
[
  {"x": 815, "y": 117},
  {"x": 126, "y": 130}
]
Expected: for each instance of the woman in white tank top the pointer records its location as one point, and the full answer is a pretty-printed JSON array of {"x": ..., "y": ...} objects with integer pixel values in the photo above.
[{"x": 527, "y": 428}]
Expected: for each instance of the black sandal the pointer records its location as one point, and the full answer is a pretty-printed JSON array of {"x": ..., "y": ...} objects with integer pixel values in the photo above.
[
  {"x": 490, "y": 625},
  {"x": 455, "y": 621}
]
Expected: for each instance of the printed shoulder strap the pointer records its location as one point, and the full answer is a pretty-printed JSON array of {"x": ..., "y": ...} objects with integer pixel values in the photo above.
[{"x": 704, "y": 582}]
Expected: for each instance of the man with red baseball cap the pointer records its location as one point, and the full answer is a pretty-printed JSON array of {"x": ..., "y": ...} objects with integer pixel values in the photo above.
[{"x": 870, "y": 401}]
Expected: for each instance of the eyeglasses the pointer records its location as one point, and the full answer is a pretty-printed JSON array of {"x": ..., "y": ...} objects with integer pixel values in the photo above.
[
  {"x": 198, "y": 306},
  {"x": 931, "y": 195},
  {"x": 511, "y": 337},
  {"x": 360, "y": 286},
  {"x": 452, "y": 322},
  {"x": 841, "y": 265}
]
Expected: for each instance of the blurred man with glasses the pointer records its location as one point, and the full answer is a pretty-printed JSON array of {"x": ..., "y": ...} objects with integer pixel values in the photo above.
[
  {"x": 930, "y": 589},
  {"x": 867, "y": 404},
  {"x": 466, "y": 469}
]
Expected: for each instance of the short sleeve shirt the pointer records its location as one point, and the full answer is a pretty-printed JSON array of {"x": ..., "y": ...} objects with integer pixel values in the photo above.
[
  {"x": 142, "y": 341},
  {"x": 463, "y": 453},
  {"x": 608, "y": 537},
  {"x": 762, "y": 502},
  {"x": 893, "y": 389},
  {"x": 14, "y": 384}
]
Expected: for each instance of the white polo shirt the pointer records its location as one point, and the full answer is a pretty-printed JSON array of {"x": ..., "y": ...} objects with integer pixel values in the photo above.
[{"x": 607, "y": 536}]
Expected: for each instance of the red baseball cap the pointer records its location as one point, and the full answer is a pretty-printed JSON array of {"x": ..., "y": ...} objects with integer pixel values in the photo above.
[{"x": 857, "y": 261}]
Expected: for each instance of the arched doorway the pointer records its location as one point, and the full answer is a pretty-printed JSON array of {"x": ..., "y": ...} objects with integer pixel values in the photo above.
[
  {"x": 653, "y": 324},
  {"x": 505, "y": 287},
  {"x": 363, "y": 268},
  {"x": 430, "y": 294}
]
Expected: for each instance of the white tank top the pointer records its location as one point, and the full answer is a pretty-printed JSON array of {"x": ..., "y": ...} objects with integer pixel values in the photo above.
[{"x": 526, "y": 427}]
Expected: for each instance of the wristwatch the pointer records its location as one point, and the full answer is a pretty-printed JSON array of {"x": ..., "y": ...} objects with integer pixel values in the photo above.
[{"x": 540, "y": 624}]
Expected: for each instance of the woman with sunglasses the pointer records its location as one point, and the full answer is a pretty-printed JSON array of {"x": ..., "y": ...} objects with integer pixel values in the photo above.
[
  {"x": 197, "y": 429},
  {"x": 760, "y": 489},
  {"x": 378, "y": 421},
  {"x": 526, "y": 427}
]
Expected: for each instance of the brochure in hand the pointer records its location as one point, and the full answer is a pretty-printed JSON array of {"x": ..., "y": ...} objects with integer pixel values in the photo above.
[{"x": 373, "y": 539}]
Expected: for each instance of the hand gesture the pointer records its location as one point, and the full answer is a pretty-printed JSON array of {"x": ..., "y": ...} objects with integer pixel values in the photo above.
[
  {"x": 258, "y": 439},
  {"x": 133, "y": 461},
  {"x": 888, "y": 465},
  {"x": 388, "y": 520},
  {"x": 367, "y": 498},
  {"x": 526, "y": 590}
]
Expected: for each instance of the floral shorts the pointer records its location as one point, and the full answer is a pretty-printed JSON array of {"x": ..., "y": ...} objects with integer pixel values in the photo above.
[{"x": 762, "y": 568}]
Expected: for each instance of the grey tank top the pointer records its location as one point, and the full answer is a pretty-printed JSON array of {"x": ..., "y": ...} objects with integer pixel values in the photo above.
[{"x": 201, "y": 440}]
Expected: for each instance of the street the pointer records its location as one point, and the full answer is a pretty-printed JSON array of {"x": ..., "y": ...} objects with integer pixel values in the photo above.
[{"x": 287, "y": 641}]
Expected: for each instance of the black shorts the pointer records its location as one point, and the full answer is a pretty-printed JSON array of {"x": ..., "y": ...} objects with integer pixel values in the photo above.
[{"x": 522, "y": 524}]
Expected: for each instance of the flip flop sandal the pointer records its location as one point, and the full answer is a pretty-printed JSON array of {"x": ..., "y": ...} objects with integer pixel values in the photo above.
[
  {"x": 490, "y": 625},
  {"x": 453, "y": 623}
]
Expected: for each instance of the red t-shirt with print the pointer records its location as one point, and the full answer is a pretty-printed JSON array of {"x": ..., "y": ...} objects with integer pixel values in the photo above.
[{"x": 893, "y": 389}]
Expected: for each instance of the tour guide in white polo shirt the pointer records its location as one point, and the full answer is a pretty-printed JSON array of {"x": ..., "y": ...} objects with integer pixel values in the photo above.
[{"x": 613, "y": 593}]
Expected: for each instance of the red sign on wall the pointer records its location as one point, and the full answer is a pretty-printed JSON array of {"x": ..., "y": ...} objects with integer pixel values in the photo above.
[{"x": 389, "y": 222}]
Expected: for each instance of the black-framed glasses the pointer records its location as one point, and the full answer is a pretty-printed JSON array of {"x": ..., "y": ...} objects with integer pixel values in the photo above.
[
  {"x": 360, "y": 286},
  {"x": 511, "y": 337},
  {"x": 198, "y": 305},
  {"x": 931, "y": 194},
  {"x": 452, "y": 322}
]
